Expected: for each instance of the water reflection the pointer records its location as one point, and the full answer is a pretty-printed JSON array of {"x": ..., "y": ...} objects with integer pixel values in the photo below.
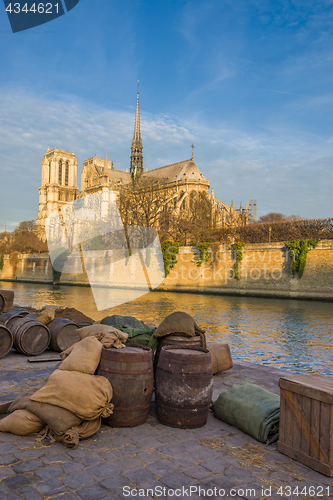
[{"x": 289, "y": 334}]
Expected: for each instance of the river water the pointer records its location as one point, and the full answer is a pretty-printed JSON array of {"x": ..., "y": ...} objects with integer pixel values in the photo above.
[{"x": 293, "y": 335}]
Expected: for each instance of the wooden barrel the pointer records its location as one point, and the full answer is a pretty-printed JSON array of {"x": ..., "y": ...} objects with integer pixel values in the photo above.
[
  {"x": 31, "y": 337},
  {"x": 130, "y": 372},
  {"x": 221, "y": 356},
  {"x": 175, "y": 341},
  {"x": 6, "y": 300},
  {"x": 184, "y": 386},
  {"x": 33, "y": 315},
  {"x": 63, "y": 334},
  {"x": 15, "y": 311},
  {"x": 6, "y": 341},
  {"x": 13, "y": 319}
]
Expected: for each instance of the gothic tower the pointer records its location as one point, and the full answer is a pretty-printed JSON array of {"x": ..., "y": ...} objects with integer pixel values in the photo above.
[
  {"x": 136, "y": 149},
  {"x": 58, "y": 185}
]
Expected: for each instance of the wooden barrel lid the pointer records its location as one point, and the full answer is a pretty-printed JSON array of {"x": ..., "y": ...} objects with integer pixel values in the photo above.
[
  {"x": 32, "y": 337},
  {"x": 191, "y": 352},
  {"x": 67, "y": 336}
]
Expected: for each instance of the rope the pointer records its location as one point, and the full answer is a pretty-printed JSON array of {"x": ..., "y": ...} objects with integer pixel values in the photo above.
[{"x": 203, "y": 340}]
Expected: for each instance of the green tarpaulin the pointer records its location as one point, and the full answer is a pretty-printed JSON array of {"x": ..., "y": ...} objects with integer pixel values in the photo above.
[
  {"x": 138, "y": 332},
  {"x": 251, "y": 409}
]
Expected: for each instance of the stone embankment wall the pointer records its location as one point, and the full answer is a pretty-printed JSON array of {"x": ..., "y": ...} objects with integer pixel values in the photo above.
[{"x": 265, "y": 271}]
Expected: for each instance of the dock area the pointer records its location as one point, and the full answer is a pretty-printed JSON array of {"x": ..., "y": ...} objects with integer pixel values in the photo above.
[{"x": 151, "y": 461}]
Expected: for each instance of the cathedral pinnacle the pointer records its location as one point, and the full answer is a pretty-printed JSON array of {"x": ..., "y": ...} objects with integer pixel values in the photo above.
[{"x": 136, "y": 150}]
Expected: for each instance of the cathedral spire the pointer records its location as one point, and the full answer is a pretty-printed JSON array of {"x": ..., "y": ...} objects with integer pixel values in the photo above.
[{"x": 136, "y": 149}]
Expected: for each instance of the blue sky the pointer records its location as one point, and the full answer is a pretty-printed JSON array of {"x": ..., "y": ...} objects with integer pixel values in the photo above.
[{"x": 249, "y": 82}]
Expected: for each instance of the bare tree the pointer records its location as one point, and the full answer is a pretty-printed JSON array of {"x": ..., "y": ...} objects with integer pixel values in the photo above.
[
  {"x": 277, "y": 217},
  {"x": 24, "y": 239},
  {"x": 143, "y": 203}
]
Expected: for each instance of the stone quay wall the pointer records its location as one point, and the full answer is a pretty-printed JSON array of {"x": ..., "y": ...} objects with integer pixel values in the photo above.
[{"x": 265, "y": 271}]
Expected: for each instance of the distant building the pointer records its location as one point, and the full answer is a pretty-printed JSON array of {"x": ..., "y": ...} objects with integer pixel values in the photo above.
[{"x": 183, "y": 179}]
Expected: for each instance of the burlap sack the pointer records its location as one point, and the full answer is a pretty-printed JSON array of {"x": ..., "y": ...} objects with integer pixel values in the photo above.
[
  {"x": 87, "y": 396},
  {"x": 178, "y": 322},
  {"x": 21, "y": 423},
  {"x": 84, "y": 356},
  {"x": 111, "y": 340},
  {"x": 71, "y": 438},
  {"x": 66, "y": 353},
  {"x": 90, "y": 330},
  {"x": 59, "y": 419},
  {"x": 46, "y": 316},
  {"x": 49, "y": 306}
]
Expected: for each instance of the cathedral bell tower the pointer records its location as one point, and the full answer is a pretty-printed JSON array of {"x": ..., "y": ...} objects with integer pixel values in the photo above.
[{"x": 136, "y": 168}]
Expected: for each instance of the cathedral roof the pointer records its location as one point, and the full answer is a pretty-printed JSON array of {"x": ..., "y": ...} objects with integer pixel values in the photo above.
[
  {"x": 118, "y": 176},
  {"x": 179, "y": 171}
]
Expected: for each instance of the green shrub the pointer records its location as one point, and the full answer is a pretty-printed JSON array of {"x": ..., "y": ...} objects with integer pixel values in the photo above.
[
  {"x": 170, "y": 249},
  {"x": 238, "y": 249},
  {"x": 203, "y": 248},
  {"x": 299, "y": 250}
]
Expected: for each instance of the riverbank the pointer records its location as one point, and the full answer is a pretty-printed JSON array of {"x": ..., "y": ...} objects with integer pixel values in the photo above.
[
  {"x": 287, "y": 334},
  {"x": 264, "y": 272},
  {"x": 150, "y": 457}
]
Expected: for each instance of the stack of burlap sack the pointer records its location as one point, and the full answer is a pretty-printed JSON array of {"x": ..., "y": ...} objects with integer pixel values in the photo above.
[{"x": 70, "y": 404}]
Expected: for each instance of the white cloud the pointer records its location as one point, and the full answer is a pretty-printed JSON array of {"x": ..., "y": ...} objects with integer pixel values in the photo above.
[{"x": 287, "y": 170}]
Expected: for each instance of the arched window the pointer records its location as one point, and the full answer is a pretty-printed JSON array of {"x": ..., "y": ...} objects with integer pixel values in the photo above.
[
  {"x": 193, "y": 197},
  {"x": 60, "y": 172},
  {"x": 66, "y": 173},
  {"x": 49, "y": 172}
]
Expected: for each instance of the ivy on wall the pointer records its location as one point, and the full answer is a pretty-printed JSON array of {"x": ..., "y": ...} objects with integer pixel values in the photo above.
[
  {"x": 299, "y": 250},
  {"x": 2, "y": 257},
  {"x": 203, "y": 248},
  {"x": 170, "y": 249},
  {"x": 238, "y": 249}
]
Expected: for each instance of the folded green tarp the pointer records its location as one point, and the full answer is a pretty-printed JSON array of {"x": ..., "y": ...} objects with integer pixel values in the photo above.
[
  {"x": 138, "y": 332},
  {"x": 251, "y": 409}
]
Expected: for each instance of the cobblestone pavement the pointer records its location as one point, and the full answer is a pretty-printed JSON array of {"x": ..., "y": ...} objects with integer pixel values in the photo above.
[{"x": 152, "y": 460}]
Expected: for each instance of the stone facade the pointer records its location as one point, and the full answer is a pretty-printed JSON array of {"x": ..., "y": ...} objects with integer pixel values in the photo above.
[{"x": 58, "y": 185}]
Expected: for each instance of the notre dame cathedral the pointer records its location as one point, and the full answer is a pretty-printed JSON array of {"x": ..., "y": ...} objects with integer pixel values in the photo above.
[{"x": 183, "y": 179}]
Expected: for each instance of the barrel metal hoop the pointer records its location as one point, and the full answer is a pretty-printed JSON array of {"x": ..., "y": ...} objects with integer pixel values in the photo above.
[
  {"x": 184, "y": 408},
  {"x": 129, "y": 372},
  {"x": 136, "y": 408},
  {"x": 192, "y": 374}
]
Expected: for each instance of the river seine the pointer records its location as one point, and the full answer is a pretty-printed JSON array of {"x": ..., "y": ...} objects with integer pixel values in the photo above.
[{"x": 293, "y": 335}]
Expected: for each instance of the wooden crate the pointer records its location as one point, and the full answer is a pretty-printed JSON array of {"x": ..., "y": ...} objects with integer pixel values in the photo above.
[{"x": 306, "y": 421}]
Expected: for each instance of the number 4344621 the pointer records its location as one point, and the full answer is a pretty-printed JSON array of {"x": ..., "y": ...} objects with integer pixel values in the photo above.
[
  {"x": 311, "y": 491},
  {"x": 36, "y": 8}
]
